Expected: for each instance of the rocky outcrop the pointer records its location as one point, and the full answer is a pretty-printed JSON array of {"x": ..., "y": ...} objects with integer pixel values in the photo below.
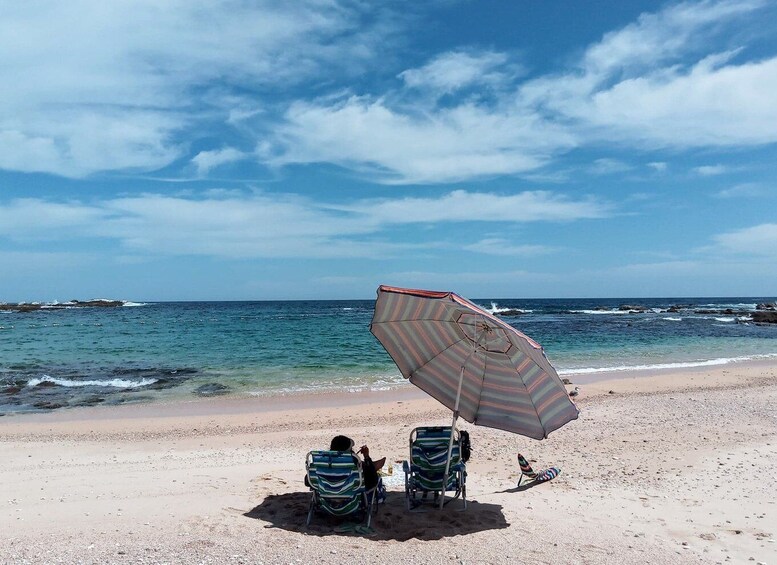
[
  {"x": 765, "y": 317},
  {"x": 633, "y": 309},
  {"x": 510, "y": 312},
  {"x": 767, "y": 306},
  {"x": 35, "y": 306}
]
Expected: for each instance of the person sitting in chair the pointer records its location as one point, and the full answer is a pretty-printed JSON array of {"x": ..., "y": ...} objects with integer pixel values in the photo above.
[{"x": 370, "y": 468}]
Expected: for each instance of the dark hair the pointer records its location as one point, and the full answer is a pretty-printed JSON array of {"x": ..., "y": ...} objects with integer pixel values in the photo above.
[{"x": 341, "y": 443}]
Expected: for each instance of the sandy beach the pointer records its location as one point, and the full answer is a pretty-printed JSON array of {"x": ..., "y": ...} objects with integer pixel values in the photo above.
[{"x": 671, "y": 467}]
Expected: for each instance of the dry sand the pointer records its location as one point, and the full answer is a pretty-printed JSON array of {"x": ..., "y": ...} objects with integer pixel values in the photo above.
[{"x": 668, "y": 468}]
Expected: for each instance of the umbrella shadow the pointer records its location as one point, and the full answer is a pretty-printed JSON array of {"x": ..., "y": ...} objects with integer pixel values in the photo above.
[{"x": 392, "y": 522}]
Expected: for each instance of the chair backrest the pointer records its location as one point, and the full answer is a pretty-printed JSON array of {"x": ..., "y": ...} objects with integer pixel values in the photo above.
[
  {"x": 429, "y": 448},
  {"x": 335, "y": 473},
  {"x": 526, "y": 467}
]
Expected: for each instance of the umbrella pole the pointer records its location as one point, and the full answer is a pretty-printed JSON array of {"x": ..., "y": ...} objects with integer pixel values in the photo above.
[{"x": 450, "y": 441}]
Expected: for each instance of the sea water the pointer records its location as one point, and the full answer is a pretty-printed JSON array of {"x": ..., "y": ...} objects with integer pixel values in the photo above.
[{"x": 59, "y": 358}]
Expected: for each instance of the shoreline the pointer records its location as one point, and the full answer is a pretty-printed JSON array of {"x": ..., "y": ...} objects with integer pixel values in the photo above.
[
  {"x": 676, "y": 467},
  {"x": 248, "y": 403}
]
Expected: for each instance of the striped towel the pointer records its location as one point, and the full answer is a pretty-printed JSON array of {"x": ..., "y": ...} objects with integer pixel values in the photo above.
[{"x": 538, "y": 476}]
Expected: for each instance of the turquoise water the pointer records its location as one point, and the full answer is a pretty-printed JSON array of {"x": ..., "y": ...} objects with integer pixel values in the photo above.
[{"x": 53, "y": 359}]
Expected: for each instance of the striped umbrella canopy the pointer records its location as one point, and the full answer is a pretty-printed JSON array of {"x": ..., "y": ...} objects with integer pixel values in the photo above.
[{"x": 483, "y": 369}]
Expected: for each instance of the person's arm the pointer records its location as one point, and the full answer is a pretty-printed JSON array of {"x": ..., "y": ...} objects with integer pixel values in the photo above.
[{"x": 368, "y": 468}]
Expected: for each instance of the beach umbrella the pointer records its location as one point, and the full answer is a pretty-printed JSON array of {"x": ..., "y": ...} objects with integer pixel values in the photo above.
[{"x": 483, "y": 369}]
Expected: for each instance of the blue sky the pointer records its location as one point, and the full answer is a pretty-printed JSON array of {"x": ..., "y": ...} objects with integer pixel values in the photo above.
[{"x": 315, "y": 149}]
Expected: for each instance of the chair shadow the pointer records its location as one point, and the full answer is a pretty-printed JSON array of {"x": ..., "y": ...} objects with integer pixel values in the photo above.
[
  {"x": 521, "y": 488},
  {"x": 392, "y": 521}
]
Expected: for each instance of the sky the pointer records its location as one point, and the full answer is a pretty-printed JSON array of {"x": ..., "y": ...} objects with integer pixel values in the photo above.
[{"x": 314, "y": 149}]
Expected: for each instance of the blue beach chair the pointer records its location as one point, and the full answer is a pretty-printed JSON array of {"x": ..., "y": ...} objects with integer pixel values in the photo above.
[
  {"x": 337, "y": 482},
  {"x": 424, "y": 472}
]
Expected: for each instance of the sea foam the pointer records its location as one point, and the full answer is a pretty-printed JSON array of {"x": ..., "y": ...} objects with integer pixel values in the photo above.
[
  {"x": 115, "y": 383},
  {"x": 658, "y": 366}
]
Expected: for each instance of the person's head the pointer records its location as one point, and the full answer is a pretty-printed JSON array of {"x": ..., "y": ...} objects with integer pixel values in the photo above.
[{"x": 341, "y": 443}]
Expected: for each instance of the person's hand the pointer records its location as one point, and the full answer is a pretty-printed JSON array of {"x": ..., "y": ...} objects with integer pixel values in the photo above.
[{"x": 364, "y": 450}]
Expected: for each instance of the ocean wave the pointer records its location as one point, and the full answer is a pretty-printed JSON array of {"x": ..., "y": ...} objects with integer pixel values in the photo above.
[
  {"x": 495, "y": 309},
  {"x": 671, "y": 319},
  {"x": 658, "y": 366},
  {"x": 113, "y": 383},
  {"x": 612, "y": 311}
]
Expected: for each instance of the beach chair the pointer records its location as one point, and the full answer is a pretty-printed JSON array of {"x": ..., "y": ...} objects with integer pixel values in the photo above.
[
  {"x": 337, "y": 482},
  {"x": 426, "y": 467},
  {"x": 536, "y": 476}
]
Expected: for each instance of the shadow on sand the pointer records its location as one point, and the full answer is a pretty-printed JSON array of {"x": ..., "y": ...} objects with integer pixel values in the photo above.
[
  {"x": 392, "y": 521},
  {"x": 523, "y": 487}
]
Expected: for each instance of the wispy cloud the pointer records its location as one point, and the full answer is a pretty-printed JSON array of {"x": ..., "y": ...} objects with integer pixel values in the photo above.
[
  {"x": 504, "y": 247},
  {"x": 755, "y": 240},
  {"x": 651, "y": 84},
  {"x": 743, "y": 190},
  {"x": 126, "y": 85},
  {"x": 463, "y": 206},
  {"x": 278, "y": 225},
  {"x": 710, "y": 170},
  {"x": 455, "y": 70},
  {"x": 204, "y": 161},
  {"x": 607, "y": 166},
  {"x": 658, "y": 166},
  {"x": 132, "y": 87},
  {"x": 395, "y": 146}
]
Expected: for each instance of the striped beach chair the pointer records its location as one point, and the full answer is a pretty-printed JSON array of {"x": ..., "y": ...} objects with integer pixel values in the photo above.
[
  {"x": 336, "y": 479},
  {"x": 536, "y": 476},
  {"x": 426, "y": 467}
]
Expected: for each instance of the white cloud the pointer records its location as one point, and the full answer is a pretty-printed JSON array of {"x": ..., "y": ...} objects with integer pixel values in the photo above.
[
  {"x": 743, "y": 190},
  {"x": 464, "y": 142},
  {"x": 504, "y": 247},
  {"x": 448, "y": 72},
  {"x": 651, "y": 84},
  {"x": 755, "y": 240},
  {"x": 106, "y": 86},
  {"x": 263, "y": 225},
  {"x": 207, "y": 160},
  {"x": 130, "y": 86},
  {"x": 658, "y": 166},
  {"x": 607, "y": 166},
  {"x": 463, "y": 206},
  {"x": 710, "y": 170}
]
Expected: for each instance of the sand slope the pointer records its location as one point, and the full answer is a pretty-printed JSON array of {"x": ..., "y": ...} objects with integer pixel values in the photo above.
[{"x": 674, "y": 468}]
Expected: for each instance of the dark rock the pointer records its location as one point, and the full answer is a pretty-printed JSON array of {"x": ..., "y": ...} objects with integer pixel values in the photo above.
[
  {"x": 510, "y": 312},
  {"x": 211, "y": 389},
  {"x": 45, "y": 405},
  {"x": 34, "y": 307},
  {"x": 765, "y": 317},
  {"x": 631, "y": 308},
  {"x": 46, "y": 384},
  {"x": 97, "y": 303},
  {"x": 10, "y": 390},
  {"x": 21, "y": 307},
  {"x": 565, "y": 381},
  {"x": 767, "y": 306},
  {"x": 91, "y": 401}
]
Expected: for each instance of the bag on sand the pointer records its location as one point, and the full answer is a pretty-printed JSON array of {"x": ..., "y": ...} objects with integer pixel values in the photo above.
[{"x": 466, "y": 447}]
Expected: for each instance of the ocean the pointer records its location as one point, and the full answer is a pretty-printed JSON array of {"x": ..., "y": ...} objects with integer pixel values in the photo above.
[{"x": 58, "y": 358}]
